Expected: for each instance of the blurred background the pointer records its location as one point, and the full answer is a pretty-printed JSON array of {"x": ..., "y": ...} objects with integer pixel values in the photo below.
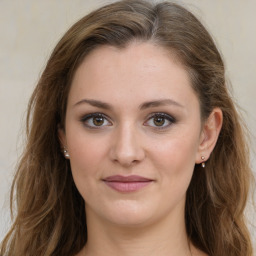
[{"x": 29, "y": 30}]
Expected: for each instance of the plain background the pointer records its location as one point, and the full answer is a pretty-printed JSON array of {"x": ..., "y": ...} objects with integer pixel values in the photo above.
[{"x": 29, "y": 29}]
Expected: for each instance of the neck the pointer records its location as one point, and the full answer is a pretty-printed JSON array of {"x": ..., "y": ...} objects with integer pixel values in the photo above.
[{"x": 166, "y": 238}]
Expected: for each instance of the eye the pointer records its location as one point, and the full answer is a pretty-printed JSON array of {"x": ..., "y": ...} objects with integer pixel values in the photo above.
[
  {"x": 95, "y": 120},
  {"x": 160, "y": 120}
]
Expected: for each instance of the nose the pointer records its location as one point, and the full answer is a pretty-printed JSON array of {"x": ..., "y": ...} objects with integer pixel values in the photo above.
[{"x": 127, "y": 146}]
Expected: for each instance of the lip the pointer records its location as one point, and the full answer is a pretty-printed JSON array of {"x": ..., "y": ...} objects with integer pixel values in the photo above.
[{"x": 127, "y": 184}]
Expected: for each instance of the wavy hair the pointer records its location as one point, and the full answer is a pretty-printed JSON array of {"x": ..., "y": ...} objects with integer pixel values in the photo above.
[{"x": 50, "y": 217}]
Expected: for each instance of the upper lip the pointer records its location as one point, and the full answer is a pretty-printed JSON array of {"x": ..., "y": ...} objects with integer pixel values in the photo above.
[{"x": 131, "y": 178}]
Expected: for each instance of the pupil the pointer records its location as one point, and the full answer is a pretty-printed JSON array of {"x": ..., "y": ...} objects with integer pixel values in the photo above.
[
  {"x": 98, "y": 121},
  {"x": 159, "y": 121}
]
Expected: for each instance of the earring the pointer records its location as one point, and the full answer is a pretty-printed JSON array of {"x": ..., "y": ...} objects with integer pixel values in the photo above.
[
  {"x": 66, "y": 154},
  {"x": 203, "y": 163}
]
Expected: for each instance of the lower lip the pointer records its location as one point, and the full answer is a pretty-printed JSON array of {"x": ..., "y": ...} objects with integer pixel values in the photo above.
[{"x": 126, "y": 187}]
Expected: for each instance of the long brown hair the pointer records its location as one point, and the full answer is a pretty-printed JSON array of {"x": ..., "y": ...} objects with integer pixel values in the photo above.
[{"x": 50, "y": 216}]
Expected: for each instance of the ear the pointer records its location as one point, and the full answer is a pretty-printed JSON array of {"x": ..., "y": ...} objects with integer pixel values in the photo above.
[
  {"x": 62, "y": 137},
  {"x": 63, "y": 142},
  {"x": 209, "y": 135}
]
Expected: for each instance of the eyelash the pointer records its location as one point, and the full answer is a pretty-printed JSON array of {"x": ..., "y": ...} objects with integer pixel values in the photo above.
[
  {"x": 165, "y": 116},
  {"x": 86, "y": 118}
]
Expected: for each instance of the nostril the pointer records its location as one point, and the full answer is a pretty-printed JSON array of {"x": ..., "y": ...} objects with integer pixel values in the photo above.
[
  {"x": 126, "y": 160},
  {"x": 127, "y": 157}
]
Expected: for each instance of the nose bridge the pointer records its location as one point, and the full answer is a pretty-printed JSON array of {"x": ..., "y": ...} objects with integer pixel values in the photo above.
[{"x": 127, "y": 147}]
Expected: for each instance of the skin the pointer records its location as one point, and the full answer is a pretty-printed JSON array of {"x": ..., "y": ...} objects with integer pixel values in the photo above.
[{"x": 129, "y": 141}]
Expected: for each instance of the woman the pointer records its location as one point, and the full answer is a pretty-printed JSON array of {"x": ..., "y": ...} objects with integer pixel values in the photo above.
[{"x": 134, "y": 144}]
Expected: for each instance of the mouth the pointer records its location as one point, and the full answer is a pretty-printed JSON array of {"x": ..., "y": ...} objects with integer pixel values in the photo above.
[{"x": 127, "y": 184}]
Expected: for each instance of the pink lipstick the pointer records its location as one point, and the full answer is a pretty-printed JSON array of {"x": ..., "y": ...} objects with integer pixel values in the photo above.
[{"x": 127, "y": 184}]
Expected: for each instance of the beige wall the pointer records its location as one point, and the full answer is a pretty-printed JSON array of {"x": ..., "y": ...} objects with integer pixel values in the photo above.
[{"x": 29, "y": 30}]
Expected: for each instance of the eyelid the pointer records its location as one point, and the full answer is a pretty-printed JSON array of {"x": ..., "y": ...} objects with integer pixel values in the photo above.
[
  {"x": 162, "y": 114},
  {"x": 168, "y": 117},
  {"x": 91, "y": 115}
]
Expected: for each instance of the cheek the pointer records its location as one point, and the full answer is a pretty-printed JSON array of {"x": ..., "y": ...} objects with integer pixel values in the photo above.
[
  {"x": 85, "y": 155},
  {"x": 176, "y": 159},
  {"x": 177, "y": 151},
  {"x": 85, "y": 161}
]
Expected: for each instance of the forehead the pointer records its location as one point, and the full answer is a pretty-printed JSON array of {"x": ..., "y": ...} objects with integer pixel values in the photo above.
[{"x": 137, "y": 73}]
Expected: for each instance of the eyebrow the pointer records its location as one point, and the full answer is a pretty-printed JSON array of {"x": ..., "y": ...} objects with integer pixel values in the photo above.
[
  {"x": 95, "y": 103},
  {"x": 145, "y": 105},
  {"x": 158, "y": 103}
]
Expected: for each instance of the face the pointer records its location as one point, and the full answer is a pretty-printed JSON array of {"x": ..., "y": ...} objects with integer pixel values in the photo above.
[{"x": 132, "y": 131}]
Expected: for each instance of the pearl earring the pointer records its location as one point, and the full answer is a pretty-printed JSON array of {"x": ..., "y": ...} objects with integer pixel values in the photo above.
[
  {"x": 203, "y": 163},
  {"x": 66, "y": 154}
]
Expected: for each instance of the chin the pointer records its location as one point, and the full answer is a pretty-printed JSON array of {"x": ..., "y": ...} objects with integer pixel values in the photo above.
[{"x": 130, "y": 214}]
